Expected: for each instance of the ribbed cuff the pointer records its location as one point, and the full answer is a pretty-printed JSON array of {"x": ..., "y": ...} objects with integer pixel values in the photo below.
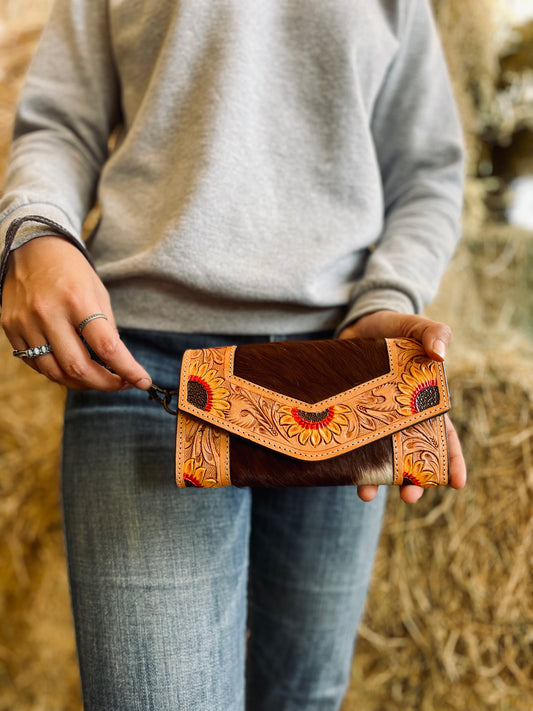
[
  {"x": 48, "y": 213},
  {"x": 32, "y": 221},
  {"x": 377, "y": 300}
]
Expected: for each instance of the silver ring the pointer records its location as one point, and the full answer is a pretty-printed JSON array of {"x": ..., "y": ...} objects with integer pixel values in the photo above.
[
  {"x": 88, "y": 319},
  {"x": 34, "y": 352}
]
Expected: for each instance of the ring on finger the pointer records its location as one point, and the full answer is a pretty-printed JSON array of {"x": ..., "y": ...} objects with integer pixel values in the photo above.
[
  {"x": 34, "y": 352},
  {"x": 88, "y": 320}
]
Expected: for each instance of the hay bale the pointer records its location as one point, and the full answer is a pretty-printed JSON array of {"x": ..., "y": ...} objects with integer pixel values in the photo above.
[
  {"x": 37, "y": 652},
  {"x": 472, "y": 36},
  {"x": 448, "y": 620},
  {"x": 448, "y": 624}
]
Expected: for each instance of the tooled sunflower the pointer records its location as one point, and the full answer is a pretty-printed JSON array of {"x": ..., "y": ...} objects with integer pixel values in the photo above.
[
  {"x": 414, "y": 472},
  {"x": 193, "y": 476},
  {"x": 314, "y": 427},
  {"x": 419, "y": 389},
  {"x": 204, "y": 391}
]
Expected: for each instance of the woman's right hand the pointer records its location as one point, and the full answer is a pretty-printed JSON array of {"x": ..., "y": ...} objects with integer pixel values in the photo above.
[{"x": 49, "y": 289}]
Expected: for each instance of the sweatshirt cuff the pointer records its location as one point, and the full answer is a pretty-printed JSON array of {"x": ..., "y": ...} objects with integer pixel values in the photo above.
[
  {"x": 52, "y": 221},
  {"x": 377, "y": 300},
  {"x": 28, "y": 222}
]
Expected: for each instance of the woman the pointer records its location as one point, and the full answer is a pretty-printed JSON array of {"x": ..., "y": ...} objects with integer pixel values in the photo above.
[{"x": 264, "y": 171}]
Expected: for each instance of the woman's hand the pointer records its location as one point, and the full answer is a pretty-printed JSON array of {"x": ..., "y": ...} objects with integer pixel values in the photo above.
[
  {"x": 434, "y": 337},
  {"x": 49, "y": 289}
]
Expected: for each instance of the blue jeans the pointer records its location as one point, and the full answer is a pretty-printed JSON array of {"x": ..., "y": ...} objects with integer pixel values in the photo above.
[{"x": 203, "y": 600}]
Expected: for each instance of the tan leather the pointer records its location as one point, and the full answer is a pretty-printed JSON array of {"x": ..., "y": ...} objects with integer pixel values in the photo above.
[
  {"x": 407, "y": 404},
  {"x": 202, "y": 453},
  {"x": 421, "y": 454}
]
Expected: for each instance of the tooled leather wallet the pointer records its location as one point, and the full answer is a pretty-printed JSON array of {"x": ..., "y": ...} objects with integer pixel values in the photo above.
[{"x": 312, "y": 413}]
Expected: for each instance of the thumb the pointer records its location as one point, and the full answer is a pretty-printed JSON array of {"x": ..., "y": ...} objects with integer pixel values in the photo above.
[{"x": 433, "y": 335}]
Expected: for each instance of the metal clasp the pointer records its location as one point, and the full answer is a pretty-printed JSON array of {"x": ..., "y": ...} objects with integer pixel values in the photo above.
[{"x": 162, "y": 397}]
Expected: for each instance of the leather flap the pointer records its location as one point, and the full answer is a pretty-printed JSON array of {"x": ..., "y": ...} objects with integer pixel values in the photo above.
[{"x": 413, "y": 390}]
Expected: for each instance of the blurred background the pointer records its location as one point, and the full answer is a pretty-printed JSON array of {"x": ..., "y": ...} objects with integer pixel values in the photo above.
[{"x": 449, "y": 620}]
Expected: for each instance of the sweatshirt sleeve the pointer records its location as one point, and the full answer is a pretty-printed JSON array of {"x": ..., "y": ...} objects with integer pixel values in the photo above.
[
  {"x": 419, "y": 147},
  {"x": 68, "y": 107}
]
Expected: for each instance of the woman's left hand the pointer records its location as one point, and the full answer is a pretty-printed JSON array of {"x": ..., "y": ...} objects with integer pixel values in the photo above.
[{"x": 435, "y": 337}]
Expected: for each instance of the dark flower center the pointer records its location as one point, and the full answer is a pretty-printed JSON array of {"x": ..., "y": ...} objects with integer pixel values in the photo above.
[
  {"x": 313, "y": 420},
  {"x": 427, "y": 397},
  {"x": 199, "y": 393}
]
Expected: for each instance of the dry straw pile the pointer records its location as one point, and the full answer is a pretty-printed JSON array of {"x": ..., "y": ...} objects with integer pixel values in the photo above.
[
  {"x": 449, "y": 624},
  {"x": 449, "y": 618}
]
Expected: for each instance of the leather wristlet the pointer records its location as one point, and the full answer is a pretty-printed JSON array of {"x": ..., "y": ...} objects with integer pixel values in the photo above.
[{"x": 312, "y": 413}]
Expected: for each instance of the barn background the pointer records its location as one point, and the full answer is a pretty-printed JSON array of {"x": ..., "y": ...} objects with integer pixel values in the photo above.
[{"x": 449, "y": 619}]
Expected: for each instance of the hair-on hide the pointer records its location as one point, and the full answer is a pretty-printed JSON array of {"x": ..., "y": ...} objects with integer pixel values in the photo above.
[{"x": 329, "y": 367}]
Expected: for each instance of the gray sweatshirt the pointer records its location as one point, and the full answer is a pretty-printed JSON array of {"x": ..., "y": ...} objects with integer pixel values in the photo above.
[{"x": 276, "y": 166}]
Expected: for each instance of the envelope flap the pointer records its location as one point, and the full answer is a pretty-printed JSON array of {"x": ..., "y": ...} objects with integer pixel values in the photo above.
[
  {"x": 312, "y": 371},
  {"x": 412, "y": 389}
]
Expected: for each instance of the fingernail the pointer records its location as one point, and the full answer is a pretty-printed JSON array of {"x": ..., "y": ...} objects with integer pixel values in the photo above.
[
  {"x": 439, "y": 348},
  {"x": 143, "y": 383},
  {"x": 126, "y": 386}
]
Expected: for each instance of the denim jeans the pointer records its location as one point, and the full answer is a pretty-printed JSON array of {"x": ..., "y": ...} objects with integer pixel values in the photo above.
[{"x": 203, "y": 600}]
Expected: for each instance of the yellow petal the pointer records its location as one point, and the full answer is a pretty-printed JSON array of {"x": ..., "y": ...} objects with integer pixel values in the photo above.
[
  {"x": 315, "y": 437},
  {"x": 220, "y": 405},
  {"x": 410, "y": 380},
  {"x": 340, "y": 420},
  {"x": 202, "y": 370},
  {"x": 326, "y": 434},
  {"x": 210, "y": 375},
  {"x": 304, "y": 436},
  {"x": 408, "y": 463},
  {"x": 334, "y": 427},
  {"x": 417, "y": 468}
]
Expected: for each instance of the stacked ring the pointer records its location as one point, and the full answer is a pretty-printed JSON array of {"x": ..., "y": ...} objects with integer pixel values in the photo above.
[
  {"x": 34, "y": 352},
  {"x": 88, "y": 319}
]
